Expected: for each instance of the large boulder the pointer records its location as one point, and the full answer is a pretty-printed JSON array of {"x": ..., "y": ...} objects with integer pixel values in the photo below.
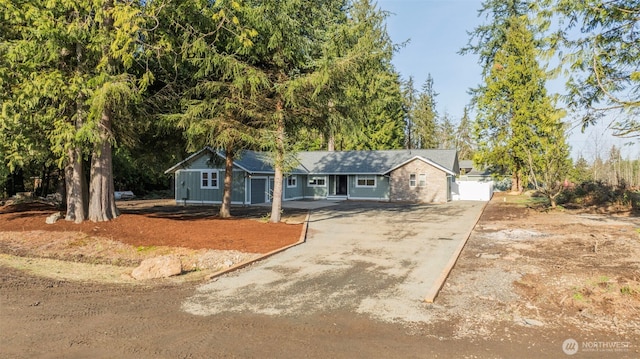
[
  {"x": 53, "y": 218},
  {"x": 158, "y": 267}
]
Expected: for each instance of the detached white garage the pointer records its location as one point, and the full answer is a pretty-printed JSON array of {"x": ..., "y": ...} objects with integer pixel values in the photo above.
[
  {"x": 472, "y": 185},
  {"x": 474, "y": 191}
]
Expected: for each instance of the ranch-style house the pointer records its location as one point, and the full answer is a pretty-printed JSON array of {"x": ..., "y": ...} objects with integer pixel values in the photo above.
[{"x": 420, "y": 176}]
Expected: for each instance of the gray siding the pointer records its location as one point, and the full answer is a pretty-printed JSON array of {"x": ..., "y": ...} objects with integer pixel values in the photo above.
[
  {"x": 314, "y": 192},
  {"x": 294, "y": 192},
  {"x": 380, "y": 191},
  {"x": 200, "y": 163},
  {"x": 189, "y": 187}
]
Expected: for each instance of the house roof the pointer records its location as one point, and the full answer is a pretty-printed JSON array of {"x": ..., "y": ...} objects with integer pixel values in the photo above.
[
  {"x": 466, "y": 164},
  {"x": 249, "y": 161},
  {"x": 374, "y": 162},
  {"x": 338, "y": 162},
  {"x": 472, "y": 170}
]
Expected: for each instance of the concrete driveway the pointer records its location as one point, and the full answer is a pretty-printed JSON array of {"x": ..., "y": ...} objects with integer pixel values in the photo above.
[{"x": 378, "y": 259}]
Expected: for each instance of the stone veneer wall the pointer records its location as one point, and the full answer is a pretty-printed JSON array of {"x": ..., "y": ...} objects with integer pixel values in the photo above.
[{"x": 435, "y": 191}]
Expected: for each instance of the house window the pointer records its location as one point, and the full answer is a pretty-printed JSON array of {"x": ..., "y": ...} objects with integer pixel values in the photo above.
[
  {"x": 412, "y": 180},
  {"x": 317, "y": 182},
  {"x": 292, "y": 181},
  {"x": 365, "y": 181},
  {"x": 419, "y": 180},
  {"x": 422, "y": 180},
  {"x": 209, "y": 179}
]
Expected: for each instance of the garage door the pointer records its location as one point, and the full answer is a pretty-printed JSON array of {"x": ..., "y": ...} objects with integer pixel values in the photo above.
[{"x": 475, "y": 191}]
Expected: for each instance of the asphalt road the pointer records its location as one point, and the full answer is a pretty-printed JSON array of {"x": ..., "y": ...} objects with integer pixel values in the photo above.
[{"x": 376, "y": 259}]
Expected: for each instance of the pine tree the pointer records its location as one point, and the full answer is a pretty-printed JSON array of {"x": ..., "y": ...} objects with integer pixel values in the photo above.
[
  {"x": 291, "y": 52},
  {"x": 517, "y": 128},
  {"x": 79, "y": 60},
  {"x": 358, "y": 106},
  {"x": 410, "y": 97},
  {"x": 445, "y": 137},
  {"x": 425, "y": 116},
  {"x": 217, "y": 97},
  {"x": 464, "y": 134}
]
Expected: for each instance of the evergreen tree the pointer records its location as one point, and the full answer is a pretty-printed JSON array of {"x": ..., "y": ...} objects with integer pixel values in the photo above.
[
  {"x": 580, "y": 171},
  {"x": 464, "y": 137},
  {"x": 217, "y": 97},
  {"x": 446, "y": 137},
  {"x": 78, "y": 57},
  {"x": 291, "y": 51},
  {"x": 517, "y": 128},
  {"x": 359, "y": 108},
  {"x": 425, "y": 116},
  {"x": 409, "y": 105},
  {"x": 605, "y": 61}
]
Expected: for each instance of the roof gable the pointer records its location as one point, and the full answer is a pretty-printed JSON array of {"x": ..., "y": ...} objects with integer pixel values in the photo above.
[
  {"x": 246, "y": 160},
  {"x": 187, "y": 161},
  {"x": 426, "y": 160}
]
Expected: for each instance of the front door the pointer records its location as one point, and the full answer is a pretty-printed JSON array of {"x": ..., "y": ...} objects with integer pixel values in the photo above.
[
  {"x": 258, "y": 190},
  {"x": 341, "y": 185}
]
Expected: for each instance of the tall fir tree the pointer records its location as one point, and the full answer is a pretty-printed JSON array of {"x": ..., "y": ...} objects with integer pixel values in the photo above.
[
  {"x": 359, "y": 108},
  {"x": 464, "y": 133},
  {"x": 80, "y": 57},
  {"x": 217, "y": 106},
  {"x": 517, "y": 126},
  {"x": 410, "y": 98},
  {"x": 446, "y": 137},
  {"x": 425, "y": 116}
]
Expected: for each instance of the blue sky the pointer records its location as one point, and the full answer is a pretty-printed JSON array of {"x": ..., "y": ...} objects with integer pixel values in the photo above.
[{"x": 437, "y": 30}]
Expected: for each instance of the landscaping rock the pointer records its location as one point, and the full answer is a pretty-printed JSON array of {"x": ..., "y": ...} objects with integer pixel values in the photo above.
[
  {"x": 53, "y": 218},
  {"x": 529, "y": 322},
  {"x": 158, "y": 267}
]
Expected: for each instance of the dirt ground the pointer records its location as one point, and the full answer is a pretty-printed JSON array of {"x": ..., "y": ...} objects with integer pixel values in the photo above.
[{"x": 526, "y": 282}]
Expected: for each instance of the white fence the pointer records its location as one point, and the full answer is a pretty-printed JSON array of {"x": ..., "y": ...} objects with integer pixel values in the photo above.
[{"x": 472, "y": 191}]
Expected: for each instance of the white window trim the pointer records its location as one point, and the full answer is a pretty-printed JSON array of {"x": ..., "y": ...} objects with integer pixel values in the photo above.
[
  {"x": 209, "y": 180},
  {"x": 323, "y": 178},
  {"x": 294, "y": 179},
  {"x": 415, "y": 180},
  {"x": 367, "y": 177}
]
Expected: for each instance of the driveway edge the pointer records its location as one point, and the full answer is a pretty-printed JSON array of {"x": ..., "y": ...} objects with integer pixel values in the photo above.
[
  {"x": 435, "y": 288},
  {"x": 301, "y": 239}
]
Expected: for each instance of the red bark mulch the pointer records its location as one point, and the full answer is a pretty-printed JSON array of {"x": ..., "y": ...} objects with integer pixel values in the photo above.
[{"x": 193, "y": 229}]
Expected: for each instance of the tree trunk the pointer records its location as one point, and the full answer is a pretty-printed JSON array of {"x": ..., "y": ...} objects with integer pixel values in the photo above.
[
  {"x": 331, "y": 142},
  {"x": 225, "y": 208},
  {"x": 76, "y": 187},
  {"x": 276, "y": 204},
  {"x": 15, "y": 183},
  {"x": 553, "y": 202},
  {"x": 514, "y": 182},
  {"x": 102, "y": 203}
]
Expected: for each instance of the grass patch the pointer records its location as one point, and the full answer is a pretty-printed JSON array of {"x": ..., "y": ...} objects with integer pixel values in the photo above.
[
  {"x": 145, "y": 249},
  {"x": 527, "y": 200}
]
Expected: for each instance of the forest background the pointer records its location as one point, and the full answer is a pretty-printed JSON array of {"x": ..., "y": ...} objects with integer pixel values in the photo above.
[{"x": 104, "y": 95}]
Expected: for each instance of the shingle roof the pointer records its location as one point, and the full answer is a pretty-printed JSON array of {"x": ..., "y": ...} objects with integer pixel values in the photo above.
[
  {"x": 261, "y": 162},
  {"x": 372, "y": 162},
  {"x": 340, "y": 162}
]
